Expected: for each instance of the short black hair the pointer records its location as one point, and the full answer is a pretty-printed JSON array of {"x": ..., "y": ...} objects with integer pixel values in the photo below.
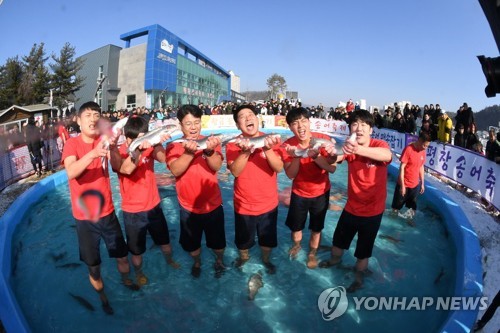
[
  {"x": 135, "y": 126},
  {"x": 241, "y": 107},
  {"x": 89, "y": 106},
  {"x": 191, "y": 109},
  {"x": 362, "y": 115},
  {"x": 295, "y": 114}
]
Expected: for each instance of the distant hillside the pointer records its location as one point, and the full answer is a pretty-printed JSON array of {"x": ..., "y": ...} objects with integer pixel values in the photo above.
[{"x": 487, "y": 117}]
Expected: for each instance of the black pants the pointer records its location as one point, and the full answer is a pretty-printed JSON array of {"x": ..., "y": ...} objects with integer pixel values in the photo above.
[{"x": 36, "y": 161}]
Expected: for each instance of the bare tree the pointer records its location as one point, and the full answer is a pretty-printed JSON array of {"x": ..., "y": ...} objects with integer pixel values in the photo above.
[{"x": 276, "y": 84}]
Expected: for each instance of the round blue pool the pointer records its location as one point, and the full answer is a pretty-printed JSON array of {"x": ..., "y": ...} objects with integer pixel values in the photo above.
[{"x": 45, "y": 271}]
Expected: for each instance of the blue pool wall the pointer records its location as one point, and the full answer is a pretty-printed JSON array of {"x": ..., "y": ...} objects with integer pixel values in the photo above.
[{"x": 468, "y": 281}]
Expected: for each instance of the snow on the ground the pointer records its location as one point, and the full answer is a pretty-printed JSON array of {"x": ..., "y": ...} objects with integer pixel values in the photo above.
[{"x": 487, "y": 228}]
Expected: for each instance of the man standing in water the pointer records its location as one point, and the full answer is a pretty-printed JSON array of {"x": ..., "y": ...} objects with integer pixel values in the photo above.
[
  {"x": 410, "y": 181},
  {"x": 310, "y": 186},
  {"x": 91, "y": 200},
  {"x": 255, "y": 186},
  {"x": 198, "y": 191},
  {"x": 142, "y": 212},
  {"x": 367, "y": 160}
]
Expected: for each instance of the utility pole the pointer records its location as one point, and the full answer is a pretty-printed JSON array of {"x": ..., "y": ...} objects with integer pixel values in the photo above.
[
  {"x": 99, "y": 87},
  {"x": 161, "y": 95},
  {"x": 50, "y": 139}
]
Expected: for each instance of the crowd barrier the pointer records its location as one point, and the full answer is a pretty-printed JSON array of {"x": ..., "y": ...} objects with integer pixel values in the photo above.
[
  {"x": 457, "y": 164},
  {"x": 15, "y": 164}
]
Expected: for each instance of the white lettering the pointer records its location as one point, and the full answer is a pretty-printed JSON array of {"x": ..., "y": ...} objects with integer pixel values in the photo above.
[
  {"x": 484, "y": 303},
  {"x": 385, "y": 303},
  {"x": 455, "y": 303},
  {"x": 470, "y": 303},
  {"x": 399, "y": 303},
  {"x": 443, "y": 303},
  {"x": 166, "y": 58},
  {"x": 413, "y": 304},
  {"x": 357, "y": 301},
  {"x": 374, "y": 300},
  {"x": 427, "y": 301},
  {"x": 416, "y": 303}
]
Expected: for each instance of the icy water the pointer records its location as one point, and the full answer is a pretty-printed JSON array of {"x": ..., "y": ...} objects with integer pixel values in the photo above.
[{"x": 47, "y": 271}]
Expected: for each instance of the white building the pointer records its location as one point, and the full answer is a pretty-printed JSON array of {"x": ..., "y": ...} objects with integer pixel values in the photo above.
[{"x": 235, "y": 82}]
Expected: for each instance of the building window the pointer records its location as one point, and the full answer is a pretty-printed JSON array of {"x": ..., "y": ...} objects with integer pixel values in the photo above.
[
  {"x": 101, "y": 72},
  {"x": 130, "y": 101}
]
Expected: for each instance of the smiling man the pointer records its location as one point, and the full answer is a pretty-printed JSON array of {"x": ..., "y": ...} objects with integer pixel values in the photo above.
[
  {"x": 255, "y": 186},
  {"x": 367, "y": 160},
  {"x": 310, "y": 186},
  {"x": 198, "y": 189}
]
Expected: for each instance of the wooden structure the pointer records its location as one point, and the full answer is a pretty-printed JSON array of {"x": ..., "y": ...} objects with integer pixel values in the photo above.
[{"x": 18, "y": 115}]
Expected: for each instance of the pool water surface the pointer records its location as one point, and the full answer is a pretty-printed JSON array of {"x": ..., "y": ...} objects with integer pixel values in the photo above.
[{"x": 46, "y": 272}]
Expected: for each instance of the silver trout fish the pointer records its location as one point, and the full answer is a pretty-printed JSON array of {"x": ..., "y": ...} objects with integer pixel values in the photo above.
[
  {"x": 118, "y": 126},
  {"x": 314, "y": 144},
  {"x": 256, "y": 142},
  {"x": 202, "y": 143},
  {"x": 254, "y": 284},
  {"x": 153, "y": 137}
]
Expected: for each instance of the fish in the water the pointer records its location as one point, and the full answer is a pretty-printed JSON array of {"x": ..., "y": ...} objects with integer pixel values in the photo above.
[
  {"x": 254, "y": 284},
  {"x": 83, "y": 302},
  {"x": 59, "y": 256},
  {"x": 390, "y": 238},
  {"x": 439, "y": 276},
  {"x": 69, "y": 265}
]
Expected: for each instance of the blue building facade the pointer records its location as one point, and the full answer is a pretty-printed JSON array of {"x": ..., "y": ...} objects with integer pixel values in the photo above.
[
  {"x": 176, "y": 73},
  {"x": 163, "y": 71}
]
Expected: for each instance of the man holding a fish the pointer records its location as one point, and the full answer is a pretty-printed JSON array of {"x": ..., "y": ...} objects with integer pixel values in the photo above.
[
  {"x": 254, "y": 159},
  {"x": 142, "y": 212},
  {"x": 309, "y": 170},
  {"x": 91, "y": 200},
  {"x": 194, "y": 161},
  {"x": 367, "y": 160}
]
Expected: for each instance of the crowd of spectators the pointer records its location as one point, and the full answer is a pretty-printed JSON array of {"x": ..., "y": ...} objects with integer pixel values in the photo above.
[{"x": 408, "y": 119}]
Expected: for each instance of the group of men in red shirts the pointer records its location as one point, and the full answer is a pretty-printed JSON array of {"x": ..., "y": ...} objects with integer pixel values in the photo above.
[{"x": 254, "y": 159}]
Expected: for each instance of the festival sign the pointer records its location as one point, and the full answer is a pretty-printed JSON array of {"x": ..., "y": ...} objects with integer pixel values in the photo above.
[{"x": 465, "y": 167}]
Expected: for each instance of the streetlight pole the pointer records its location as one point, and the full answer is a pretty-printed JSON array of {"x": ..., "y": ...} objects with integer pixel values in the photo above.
[
  {"x": 50, "y": 137},
  {"x": 161, "y": 95},
  {"x": 99, "y": 87}
]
